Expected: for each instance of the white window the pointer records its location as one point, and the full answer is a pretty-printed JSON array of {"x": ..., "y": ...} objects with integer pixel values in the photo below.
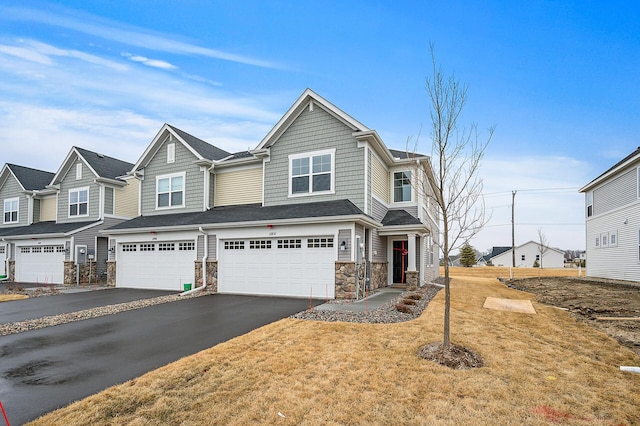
[
  {"x": 78, "y": 171},
  {"x": 48, "y": 249},
  {"x": 401, "y": 186},
  {"x": 25, "y": 249},
  {"x": 320, "y": 242},
  {"x": 589, "y": 204},
  {"x": 36, "y": 250},
  {"x": 259, "y": 244},
  {"x": 170, "y": 191},
  {"x": 613, "y": 238},
  {"x": 147, "y": 247},
  {"x": 604, "y": 240},
  {"x": 597, "y": 242},
  {"x": 166, "y": 247},
  {"x": 234, "y": 245},
  {"x": 129, "y": 247},
  {"x": 79, "y": 202},
  {"x": 524, "y": 257},
  {"x": 538, "y": 257},
  {"x": 187, "y": 246},
  {"x": 289, "y": 244},
  {"x": 11, "y": 206},
  {"x": 171, "y": 153},
  {"x": 312, "y": 173}
]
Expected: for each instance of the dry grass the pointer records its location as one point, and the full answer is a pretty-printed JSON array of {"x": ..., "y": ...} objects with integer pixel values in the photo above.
[
  {"x": 504, "y": 272},
  {"x": 10, "y": 297},
  {"x": 539, "y": 369}
]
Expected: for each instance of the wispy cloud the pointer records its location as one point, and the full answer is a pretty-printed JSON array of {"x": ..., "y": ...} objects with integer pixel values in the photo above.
[
  {"x": 128, "y": 35},
  {"x": 156, "y": 63}
]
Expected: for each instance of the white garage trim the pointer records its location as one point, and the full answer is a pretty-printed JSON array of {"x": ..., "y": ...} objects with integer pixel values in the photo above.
[{"x": 279, "y": 266}]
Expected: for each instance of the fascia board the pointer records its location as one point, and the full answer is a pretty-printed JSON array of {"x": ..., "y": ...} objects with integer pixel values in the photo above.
[{"x": 609, "y": 174}]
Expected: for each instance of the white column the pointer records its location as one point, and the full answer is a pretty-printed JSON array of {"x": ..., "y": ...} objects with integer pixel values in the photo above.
[{"x": 411, "y": 256}]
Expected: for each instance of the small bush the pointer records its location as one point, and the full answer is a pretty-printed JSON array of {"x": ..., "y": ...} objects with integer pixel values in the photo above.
[
  {"x": 401, "y": 307},
  {"x": 409, "y": 302},
  {"x": 414, "y": 296}
]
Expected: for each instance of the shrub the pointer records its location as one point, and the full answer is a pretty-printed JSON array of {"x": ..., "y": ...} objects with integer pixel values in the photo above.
[
  {"x": 409, "y": 302},
  {"x": 401, "y": 307},
  {"x": 414, "y": 296}
]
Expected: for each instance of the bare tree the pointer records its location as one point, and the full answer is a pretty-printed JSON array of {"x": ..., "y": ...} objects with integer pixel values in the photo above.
[
  {"x": 454, "y": 186},
  {"x": 543, "y": 245}
]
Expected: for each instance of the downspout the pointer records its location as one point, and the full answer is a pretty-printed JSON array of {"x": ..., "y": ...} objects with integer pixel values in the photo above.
[{"x": 204, "y": 265}]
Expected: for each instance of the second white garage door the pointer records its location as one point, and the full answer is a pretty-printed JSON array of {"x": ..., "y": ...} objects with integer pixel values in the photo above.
[
  {"x": 158, "y": 266},
  {"x": 298, "y": 267}
]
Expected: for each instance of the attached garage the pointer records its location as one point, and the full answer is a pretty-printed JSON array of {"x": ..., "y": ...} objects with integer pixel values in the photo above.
[
  {"x": 166, "y": 265},
  {"x": 42, "y": 264},
  {"x": 293, "y": 266}
]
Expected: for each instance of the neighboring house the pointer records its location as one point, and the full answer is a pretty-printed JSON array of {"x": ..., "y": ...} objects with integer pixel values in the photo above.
[
  {"x": 612, "y": 211},
  {"x": 50, "y": 218},
  {"x": 526, "y": 256},
  {"x": 291, "y": 217}
]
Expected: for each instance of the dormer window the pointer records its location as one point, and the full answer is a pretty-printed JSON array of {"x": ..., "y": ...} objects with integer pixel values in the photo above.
[
  {"x": 402, "y": 187},
  {"x": 11, "y": 206},
  {"x": 79, "y": 202},
  {"x": 311, "y": 173},
  {"x": 78, "y": 171}
]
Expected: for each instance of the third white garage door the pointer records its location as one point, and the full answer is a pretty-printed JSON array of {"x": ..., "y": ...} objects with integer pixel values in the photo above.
[
  {"x": 159, "y": 266},
  {"x": 298, "y": 267}
]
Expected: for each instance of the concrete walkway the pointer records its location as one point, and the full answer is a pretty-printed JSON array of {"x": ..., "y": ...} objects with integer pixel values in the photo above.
[{"x": 370, "y": 303}]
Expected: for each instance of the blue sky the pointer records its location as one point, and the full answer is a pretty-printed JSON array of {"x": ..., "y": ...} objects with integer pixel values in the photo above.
[{"x": 558, "y": 79}]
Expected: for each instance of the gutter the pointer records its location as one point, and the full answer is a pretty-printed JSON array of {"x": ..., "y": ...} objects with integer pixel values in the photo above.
[{"x": 204, "y": 266}]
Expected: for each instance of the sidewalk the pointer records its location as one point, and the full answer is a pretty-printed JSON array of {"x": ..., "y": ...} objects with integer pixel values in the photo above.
[{"x": 370, "y": 303}]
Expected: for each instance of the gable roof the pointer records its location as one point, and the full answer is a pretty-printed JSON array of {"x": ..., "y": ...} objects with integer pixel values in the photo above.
[
  {"x": 497, "y": 251},
  {"x": 203, "y": 151},
  {"x": 226, "y": 215},
  {"x": 399, "y": 217},
  {"x": 102, "y": 166},
  {"x": 404, "y": 155},
  {"x": 30, "y": 179},
  {"x": 635, "y": 155},
  {"x": 308, "y": 99},
  {"x": 49, "y": 228}
]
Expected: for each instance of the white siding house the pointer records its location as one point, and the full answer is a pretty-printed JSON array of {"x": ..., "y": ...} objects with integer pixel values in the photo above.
[
  {"x": 528, "y": 253},
  {"x": 612, "y": 210}
]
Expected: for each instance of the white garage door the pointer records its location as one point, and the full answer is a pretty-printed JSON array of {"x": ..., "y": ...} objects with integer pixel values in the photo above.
[
  {"x": 298, "y": 267},
  {"x": 157, "y": 265},
  {"x": 40, "y": 264}
]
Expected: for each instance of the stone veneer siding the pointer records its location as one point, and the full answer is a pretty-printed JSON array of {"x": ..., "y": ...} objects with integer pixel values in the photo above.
[
  {"x": 111, "y": 273},
  {"x": 412, "y": 278},
  {"x": 12, "y": 271},
  {"x": 379, "y": 275},
  {"x": 212, "y": 274},
  {"x": 70, "y": 277},
  {"x": 346, "y": 278}
]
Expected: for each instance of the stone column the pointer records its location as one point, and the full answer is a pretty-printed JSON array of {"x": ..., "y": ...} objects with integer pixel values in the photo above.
[{"x": 412, "y": 280}]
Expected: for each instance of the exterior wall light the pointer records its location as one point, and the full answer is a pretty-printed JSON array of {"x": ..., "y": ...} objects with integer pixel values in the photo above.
[{"x": 343, "y": 245}]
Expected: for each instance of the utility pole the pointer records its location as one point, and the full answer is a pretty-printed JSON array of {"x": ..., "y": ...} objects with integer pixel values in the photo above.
[{"x": 513, "y": 229}]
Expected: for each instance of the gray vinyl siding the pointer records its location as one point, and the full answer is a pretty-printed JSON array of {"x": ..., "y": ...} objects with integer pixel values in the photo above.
[
  {"x": 369, "y": 183},
  {"x": 344, "y": 235},
  {"x": 108, "y": 200},
  {"x": 619, "y": 192},
  {"x": 212, "y": 189},
  {"x": 379, "y": 247},
  {"x": 12, "y": 189},
  {"x": 213, "y": 244},
  {"x": 87, "y": 237},
  {"x": 36, "y": 210},
  {"x": 200, "y": 247},
  {"x": 69, "y": 182},
  {"x": 313, "y": 131},
  {"x": 412, "y": 210},
  {"x": 378, "y": 210},
  {"x": 194, "y": 181}
]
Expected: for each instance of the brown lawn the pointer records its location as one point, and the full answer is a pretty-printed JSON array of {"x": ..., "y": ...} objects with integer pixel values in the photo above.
[
  {"x": 10, "y": 297},
  {"x": 539, "y": 369}
]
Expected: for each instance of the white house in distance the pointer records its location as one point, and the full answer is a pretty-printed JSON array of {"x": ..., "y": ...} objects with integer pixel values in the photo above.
[
  {"x": 527, "y": 254},
  {"x": 612, "y": 211}
]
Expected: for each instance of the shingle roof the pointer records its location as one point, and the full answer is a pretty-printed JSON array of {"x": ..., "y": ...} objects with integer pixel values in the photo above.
[
  {"x": 42, "y": 228},
  {"x": 105, "y": 166},
  {"x": 245, "y": 213},
  {"x": 399, "y": 217},
  {"x": 31, "y": 179},
  {"x": 241, "y": 154},
  {"x": 205, "y": 149},
  {"x": 619, "y": 163},
  {"x": 404, "y": 154},
  {"x": 495, "y": 251}
]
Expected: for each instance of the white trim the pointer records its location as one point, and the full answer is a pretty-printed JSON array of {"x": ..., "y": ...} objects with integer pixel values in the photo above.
[
  {"x": 392, "y": 174},
  {"x": 171, "y": 153},
  {"x": 78, "y": 190},
  {"x": 79, "y": 170},
  {"x": 170, "y": 176},
  {"x": 310, "y": 156},
  {"x": 17, "y": 210},
  {"x": 367, "y": 178}
]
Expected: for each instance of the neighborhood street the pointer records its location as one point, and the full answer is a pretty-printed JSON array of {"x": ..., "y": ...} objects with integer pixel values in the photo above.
[{"x": 45, "y": 369}]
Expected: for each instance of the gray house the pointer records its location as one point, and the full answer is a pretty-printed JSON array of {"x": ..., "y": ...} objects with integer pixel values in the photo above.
[
  {"x": 319, "y": 195},
  {"x": 49, "y": 217}
]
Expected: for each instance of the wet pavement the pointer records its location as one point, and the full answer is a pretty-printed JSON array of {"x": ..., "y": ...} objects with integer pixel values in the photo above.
[{"x": 45, "y": 369}]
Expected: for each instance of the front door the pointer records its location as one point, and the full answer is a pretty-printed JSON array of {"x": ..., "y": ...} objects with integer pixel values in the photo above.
[{"x": 400, "y": 260}]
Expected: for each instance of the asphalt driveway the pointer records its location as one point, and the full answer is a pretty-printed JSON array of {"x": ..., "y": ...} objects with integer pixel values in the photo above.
[{"x": 45, "y": 369}]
